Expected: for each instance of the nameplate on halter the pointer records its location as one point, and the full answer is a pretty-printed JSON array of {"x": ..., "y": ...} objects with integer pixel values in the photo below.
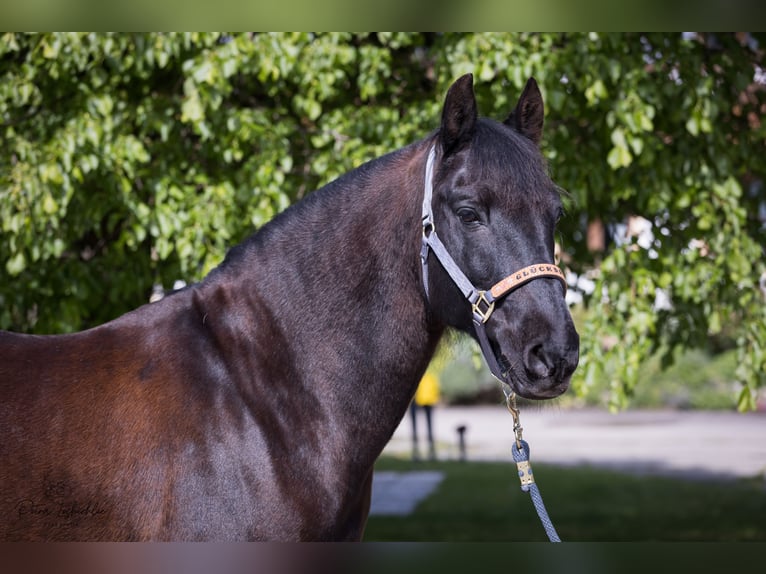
[{"x": 525, "y": 275}]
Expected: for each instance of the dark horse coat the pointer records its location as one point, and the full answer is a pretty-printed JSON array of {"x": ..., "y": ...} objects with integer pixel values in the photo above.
[{"x": 253, "y": 405}]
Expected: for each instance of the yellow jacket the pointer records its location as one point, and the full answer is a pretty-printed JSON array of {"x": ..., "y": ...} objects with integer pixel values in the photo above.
[{"x": 428, "y": 390}]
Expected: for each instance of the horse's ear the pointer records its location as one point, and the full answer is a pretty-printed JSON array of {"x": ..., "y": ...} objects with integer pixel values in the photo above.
[
  {"x": 459, "y": 115},
  {"x": 527, "y": 117}
]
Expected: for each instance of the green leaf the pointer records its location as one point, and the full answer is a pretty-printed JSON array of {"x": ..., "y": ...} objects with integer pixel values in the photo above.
[
  {"x": 619, "y": 157},
  {"x": 693, "y": 125},
  {"x": 16, "y": 264},
  {"x": 49, "y": 205}
]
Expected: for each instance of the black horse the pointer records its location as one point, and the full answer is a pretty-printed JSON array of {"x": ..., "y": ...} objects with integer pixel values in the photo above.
[{"x": 253, "y": 404}]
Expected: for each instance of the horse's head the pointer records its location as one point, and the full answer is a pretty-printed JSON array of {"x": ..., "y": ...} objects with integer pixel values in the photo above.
[{"x": 495, "y": 209}]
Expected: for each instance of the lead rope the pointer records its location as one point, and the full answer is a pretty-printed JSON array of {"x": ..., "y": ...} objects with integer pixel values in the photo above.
[{"x": 520, "y": 450}]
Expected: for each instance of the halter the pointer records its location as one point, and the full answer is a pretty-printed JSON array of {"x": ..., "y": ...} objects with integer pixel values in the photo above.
[{"x": 482, "y": 302}]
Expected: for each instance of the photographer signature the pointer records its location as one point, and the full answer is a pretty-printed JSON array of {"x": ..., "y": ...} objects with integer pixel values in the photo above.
[{"x": 58, "y": 502}]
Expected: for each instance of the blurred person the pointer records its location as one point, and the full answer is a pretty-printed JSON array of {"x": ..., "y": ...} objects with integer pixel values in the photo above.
[{"x": 426, "y": 396}]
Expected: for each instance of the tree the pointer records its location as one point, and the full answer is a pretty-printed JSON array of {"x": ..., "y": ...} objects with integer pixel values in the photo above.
[{"x": 136, "y": 159}]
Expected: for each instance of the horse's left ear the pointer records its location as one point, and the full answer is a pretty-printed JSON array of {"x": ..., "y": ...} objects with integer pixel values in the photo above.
[{"x": 527, "y": 117}]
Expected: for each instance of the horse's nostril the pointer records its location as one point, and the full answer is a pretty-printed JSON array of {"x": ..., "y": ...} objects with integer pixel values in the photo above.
[
  {"x": 537, "y": 361},
  {"x": 544, "y": 359}
]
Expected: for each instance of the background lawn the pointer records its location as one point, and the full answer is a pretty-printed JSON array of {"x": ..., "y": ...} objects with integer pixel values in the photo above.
[{"x": 482, "y": 501}]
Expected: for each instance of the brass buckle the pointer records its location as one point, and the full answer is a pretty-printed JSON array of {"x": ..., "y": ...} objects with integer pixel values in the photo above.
[{"x": 489, "y": 306}]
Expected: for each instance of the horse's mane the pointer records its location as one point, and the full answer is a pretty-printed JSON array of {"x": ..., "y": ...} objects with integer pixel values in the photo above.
[{"x": 330, "y": 200}]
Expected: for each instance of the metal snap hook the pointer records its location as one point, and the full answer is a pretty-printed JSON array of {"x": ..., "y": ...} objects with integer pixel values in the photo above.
[{"x": 510, "y": 402}]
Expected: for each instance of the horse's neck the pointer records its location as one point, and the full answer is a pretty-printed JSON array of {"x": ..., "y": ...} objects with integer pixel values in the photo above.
[{"x": 340, "y": 279}]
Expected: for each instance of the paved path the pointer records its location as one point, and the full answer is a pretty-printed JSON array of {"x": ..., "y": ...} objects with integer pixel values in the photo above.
[
  {"x": 690, "y": 444},
  {"x": 398, "y": 493}
]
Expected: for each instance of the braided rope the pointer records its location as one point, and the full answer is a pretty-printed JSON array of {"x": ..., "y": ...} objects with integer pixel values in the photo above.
[{"x": 528, "y": 485}]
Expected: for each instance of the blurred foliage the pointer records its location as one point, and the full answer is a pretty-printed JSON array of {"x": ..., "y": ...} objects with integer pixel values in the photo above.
[
  {"x": 698, "y": 379},
  {"x": 464, "y": 378},
  {"x": 135, "y": 159}
]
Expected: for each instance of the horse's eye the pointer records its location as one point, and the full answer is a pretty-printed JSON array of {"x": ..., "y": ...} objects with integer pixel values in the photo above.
[{"x": 467, "y": 215}]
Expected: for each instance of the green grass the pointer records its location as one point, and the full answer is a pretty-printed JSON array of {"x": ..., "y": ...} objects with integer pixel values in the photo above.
[{"x": 480, "y": 501}]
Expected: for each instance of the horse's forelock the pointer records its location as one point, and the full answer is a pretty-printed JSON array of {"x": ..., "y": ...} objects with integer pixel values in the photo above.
[{"x": 511, "y": 166}]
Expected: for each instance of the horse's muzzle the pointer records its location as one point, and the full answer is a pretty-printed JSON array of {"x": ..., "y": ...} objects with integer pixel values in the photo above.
[{"x": 547, "y": 367}]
